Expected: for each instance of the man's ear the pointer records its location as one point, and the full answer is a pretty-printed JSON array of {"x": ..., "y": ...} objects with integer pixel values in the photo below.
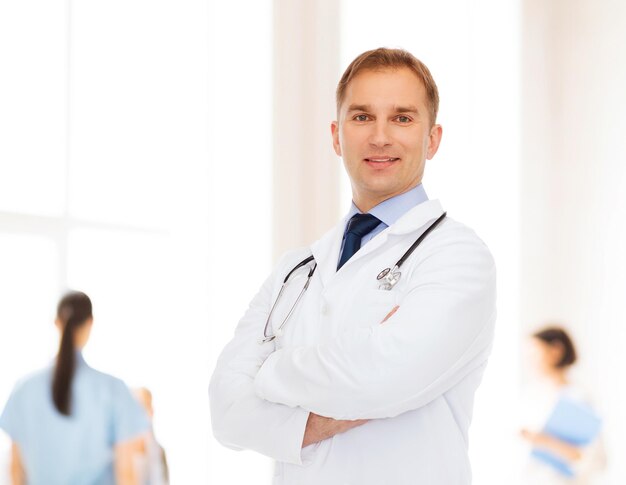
[
  {"x": 434, "y": 139},
  {"x": 334, "y": 130}
]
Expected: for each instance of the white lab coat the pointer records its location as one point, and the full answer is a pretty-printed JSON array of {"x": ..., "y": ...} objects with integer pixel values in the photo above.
[{"x": 414, "y": 376}]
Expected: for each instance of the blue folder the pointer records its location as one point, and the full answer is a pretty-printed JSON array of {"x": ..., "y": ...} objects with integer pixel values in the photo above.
[{"x": 573, "y": 422}]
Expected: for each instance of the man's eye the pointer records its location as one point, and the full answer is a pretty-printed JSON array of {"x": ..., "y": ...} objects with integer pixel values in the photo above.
[
  {"x": 403, "y": 119},
  {"x": 360, "y": 117}
]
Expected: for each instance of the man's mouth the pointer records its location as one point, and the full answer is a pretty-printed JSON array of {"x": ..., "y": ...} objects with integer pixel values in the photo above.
[
  {"x": 380, "y": 163},
  {"x": 381, "y": 159}
]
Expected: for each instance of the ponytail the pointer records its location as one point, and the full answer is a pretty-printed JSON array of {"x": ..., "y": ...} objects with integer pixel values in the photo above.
[{"x": 73, "y": 311}]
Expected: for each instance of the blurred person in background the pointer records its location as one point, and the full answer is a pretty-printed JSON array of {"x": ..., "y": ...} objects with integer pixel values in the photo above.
[
  {"x": 554, "y": 400},
  {"x": 151, "y": 463},
  {"x": 70, "y": 424}
]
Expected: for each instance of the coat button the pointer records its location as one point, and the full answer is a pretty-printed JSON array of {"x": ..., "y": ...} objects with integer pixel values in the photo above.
[{"x": 325, "y": 309}]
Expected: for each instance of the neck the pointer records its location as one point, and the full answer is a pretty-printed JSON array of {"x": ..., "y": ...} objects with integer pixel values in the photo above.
[
  {"x": 366, "y": 206},
  {"x": 366, "y": 202},
  {"x": 558, "y": 377}
]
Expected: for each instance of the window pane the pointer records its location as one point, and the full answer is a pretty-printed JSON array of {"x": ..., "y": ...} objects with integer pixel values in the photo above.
[
  {"x": 33, "y": 48},
  {"x": 138, "y": 108},
  {"x": 29, "y": 287},
  {"x": 28, "y": 292},
  {"x": 125, "y": 274}
]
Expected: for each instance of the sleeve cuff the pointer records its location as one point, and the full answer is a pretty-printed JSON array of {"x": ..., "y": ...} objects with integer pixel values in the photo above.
[{"x": 297, "y": 455}]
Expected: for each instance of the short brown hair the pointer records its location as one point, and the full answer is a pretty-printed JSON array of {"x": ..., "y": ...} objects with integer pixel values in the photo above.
[
  {"x": 383, "y": 58},
  {"x": 558, "y": 336}
]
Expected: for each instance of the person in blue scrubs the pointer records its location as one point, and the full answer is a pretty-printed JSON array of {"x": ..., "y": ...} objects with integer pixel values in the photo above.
[{"x": 70, "y": 424}]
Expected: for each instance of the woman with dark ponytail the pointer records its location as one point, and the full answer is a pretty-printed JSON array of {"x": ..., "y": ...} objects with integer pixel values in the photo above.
[
  {"x": 70, "y": 424},
  {"x": 74, "y": 320}
]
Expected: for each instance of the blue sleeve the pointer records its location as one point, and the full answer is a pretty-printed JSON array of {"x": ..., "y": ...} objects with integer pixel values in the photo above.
[
  {"x": 129, "y": 418},
  {"x": 12, "y": 420}
]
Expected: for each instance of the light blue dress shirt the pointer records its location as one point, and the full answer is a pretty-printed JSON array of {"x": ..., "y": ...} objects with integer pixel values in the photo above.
[
  {"x": 75, "y": 449},
  {"x": 389, "y": 211}
]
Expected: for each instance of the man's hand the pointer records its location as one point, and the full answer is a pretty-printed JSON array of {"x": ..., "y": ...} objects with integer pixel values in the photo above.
[
  {"x": 319, "y": 428},
  {"x": 555, "y": 445}
]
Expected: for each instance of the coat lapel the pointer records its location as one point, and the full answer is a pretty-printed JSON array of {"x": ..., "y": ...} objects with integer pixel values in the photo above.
[
  {"x": 417, "y": 217},
  {"x": 326, "y": 250},
  {"x": 412, "y": 221}
]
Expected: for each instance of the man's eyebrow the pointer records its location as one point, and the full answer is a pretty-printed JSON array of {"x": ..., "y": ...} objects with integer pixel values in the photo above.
[
  {"x": 406, "y": 109},
  {"x": 398, "y": 109},
  {"x": 359, "y": 107}
]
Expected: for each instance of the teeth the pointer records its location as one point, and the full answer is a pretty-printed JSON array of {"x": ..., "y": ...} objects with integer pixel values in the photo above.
[{"x": 381, "y": 159}]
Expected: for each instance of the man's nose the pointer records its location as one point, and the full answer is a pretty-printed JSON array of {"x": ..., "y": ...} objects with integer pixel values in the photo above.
[{"x": 380, "y": 136}]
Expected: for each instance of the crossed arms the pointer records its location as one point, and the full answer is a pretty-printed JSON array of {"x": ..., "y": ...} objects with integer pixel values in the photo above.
[{"x": 276, "y": 402}]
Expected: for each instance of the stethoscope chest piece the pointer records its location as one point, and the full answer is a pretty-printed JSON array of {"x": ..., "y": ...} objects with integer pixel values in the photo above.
[
  {"x": 383, "y": 273},
  {"x": 388, "y": 278}
]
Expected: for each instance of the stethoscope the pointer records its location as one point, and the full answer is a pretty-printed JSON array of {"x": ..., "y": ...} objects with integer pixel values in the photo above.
[{"x": 388, "y": 278}]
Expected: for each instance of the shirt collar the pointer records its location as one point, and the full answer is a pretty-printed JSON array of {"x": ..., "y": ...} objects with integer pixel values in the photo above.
[
  {"x": 80, "y": 360},
  {"x": 390, "y": 210}
]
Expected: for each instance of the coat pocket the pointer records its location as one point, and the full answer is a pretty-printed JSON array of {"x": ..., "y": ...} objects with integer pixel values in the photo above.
[{"x": 372, "y": 306}]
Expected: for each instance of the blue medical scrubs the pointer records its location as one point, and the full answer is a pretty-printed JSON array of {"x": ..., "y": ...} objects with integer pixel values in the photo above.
[{"x": 75, "y": 449}]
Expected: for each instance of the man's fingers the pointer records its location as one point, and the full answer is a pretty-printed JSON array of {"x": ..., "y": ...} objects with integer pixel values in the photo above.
[{"x": 353, "y": 424}]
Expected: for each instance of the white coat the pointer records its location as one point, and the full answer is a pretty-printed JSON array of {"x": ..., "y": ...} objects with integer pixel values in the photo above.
[{"x": 414, "y": 376}]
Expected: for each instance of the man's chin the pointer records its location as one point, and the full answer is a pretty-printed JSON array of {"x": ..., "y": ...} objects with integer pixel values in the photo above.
[{"x": 378, "y": 192}]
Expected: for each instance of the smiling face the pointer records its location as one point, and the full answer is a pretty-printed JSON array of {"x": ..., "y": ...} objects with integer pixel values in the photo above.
[{"x": 384, "y": 134}]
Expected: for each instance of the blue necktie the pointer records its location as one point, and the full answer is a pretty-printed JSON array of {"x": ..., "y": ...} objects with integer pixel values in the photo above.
[{"x": 358, "y": 226}]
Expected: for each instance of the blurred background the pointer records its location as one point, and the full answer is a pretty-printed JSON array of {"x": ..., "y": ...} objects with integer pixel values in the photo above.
[{"x": 136, "y": 135}]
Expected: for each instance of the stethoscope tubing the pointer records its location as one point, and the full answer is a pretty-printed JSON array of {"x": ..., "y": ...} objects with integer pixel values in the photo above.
[
  {"x": 304, "y": 262},
  {"x": 419, "y": 240}
]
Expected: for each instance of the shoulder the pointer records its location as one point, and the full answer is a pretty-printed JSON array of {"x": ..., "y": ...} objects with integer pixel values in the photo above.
[
  {"x": 452, "y": 230},
  {"x": 112, "y": 383},
  {"x": 290, "y": 259},
  {"x": 448, "y": 236},
  {"x": 578, "y": 392},
  {"x": 28, "y": 395},
  {"x": 457, "y": 240},
  {"x": 32, "y": 382},
  {"x": 452, "y": 257}
]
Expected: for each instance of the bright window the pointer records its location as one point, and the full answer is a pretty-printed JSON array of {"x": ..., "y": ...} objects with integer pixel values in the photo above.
[{"x": 135, "y": 165}]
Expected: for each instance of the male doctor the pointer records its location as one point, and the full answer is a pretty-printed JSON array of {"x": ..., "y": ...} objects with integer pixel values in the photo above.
[{"x": 349, "y": 381}]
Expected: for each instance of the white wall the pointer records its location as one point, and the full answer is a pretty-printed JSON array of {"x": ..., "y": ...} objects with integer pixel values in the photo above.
[
  {"x": 306, "y": 171},
  {"x": 573, "y": 174},
  {"x": 240, "y": 195}
]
